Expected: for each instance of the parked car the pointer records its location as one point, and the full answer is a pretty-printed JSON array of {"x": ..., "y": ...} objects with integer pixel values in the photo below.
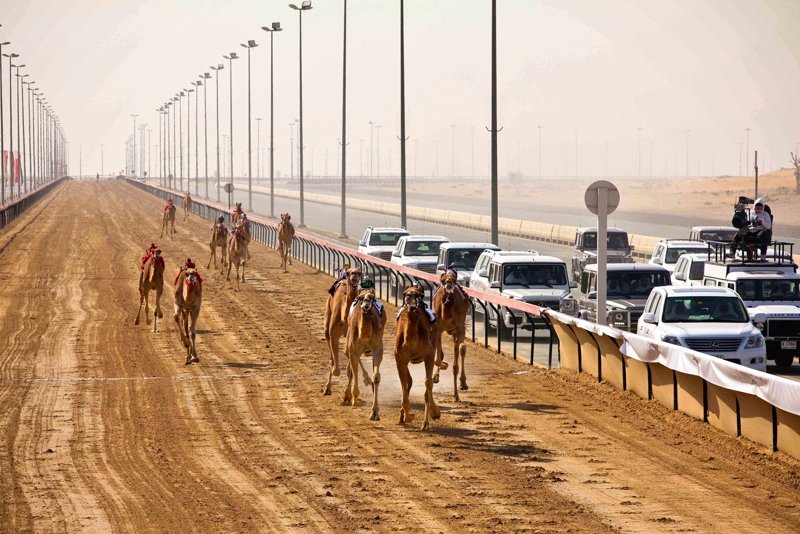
[
  {"x": 627, "y": 287},
  {"x": 668, "y": 251},
  {"x": 718, "y": 234},
  {"x": 770, "y": 290},
  {"x": 618, "y": 248},
  {"x": 713, "y": 320},
  {"x": 462, "y": 258},
  {"x": 525, "y": 276},
  {"x": 380, "y": 241},
  {"x": 689, "y": 270}
]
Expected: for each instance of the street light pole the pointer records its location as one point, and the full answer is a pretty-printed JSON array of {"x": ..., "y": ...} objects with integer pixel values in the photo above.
[
  {"x": 305, "y": 6},
  {"x": 403, "y": 207},
  {"x": 276, "y": 27},
  {"x": 230, "y": 59},
  {"x": 189, "y": 139},
  {"x": 2, "y": 127},
  {"x": 249, "y": 46},
  {"x": 216, "y": 69},
  {"x": 494, "y": 234},
  {"x": 205, "y": 76},
  {"x": 133, "y": 164},
  {"x": 197, "y": 85},
  {"x": 342, "y": 232}
]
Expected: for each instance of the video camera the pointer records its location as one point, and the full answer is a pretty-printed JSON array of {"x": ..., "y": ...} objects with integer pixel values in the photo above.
[{"x": 740, "y": 215}]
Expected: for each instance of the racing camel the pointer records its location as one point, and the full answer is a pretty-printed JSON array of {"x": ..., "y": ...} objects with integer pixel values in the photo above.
[
  {"x": 365, "y": 326},
  {"x": 285, "y": 236},
  {"x": 337, "y": 308},
  {"x": 451, "y": 304},
  {"x": 219, "y": 238},
  {"x": 151, "y": 278},
  {"x": 188, "y": 298},
  {"x": 413, "y": 343},
  {"x": 168, "y": 223},
  {"x": 237, "y": 254},
  {"x": 187, "y": 205}
]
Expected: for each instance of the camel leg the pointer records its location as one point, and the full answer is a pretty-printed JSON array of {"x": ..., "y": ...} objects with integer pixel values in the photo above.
[
  {"x": 238, "y": 287},
  {"x": 462, "y": 349},
  {"x": 228, "y": 277},
  {"x": 141, "y": 300},
  {"x": 431, "y": 410},
  {"x": 243, "y": 265},
  {"x": 455, "y": 369},
  {"x": 179, "y": 324},
  {"x": 193, "y": 328},
  {"x": 157, "y": 313},
  {"x": 213, "y": 256},
  {"x": 439, "y": 352},
  {"x": 377, "y": 358},
  {"x": 405, "y": 384},
  {"x": 147, "y": 305},
  {"x": 333, "y": 343},
  {"x": 347, "y": 399},
  {"x": 367, "y": 379}
]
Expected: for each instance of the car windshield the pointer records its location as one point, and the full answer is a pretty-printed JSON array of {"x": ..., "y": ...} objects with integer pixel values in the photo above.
[
  {"x": 615, "y": 240},
  {"x": 634, "y": 284},
  {"x": 718, "y": 235},
  {"x": 673, "y": 253},
  {"x": 387, "y": 239},
  {"x": 696, "y": 309},
  {"x": 765, "y": 289},
  {"x": 541, "y": 274},
  {"x": 463, "y": 259},
  {"x": 422, "y": 248}
]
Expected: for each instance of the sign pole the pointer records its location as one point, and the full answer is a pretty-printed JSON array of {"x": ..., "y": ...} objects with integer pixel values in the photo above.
[{"x": 602, "y": 253}]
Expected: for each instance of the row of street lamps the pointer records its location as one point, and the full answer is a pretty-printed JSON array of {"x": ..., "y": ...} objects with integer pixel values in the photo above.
[{"x": 41, "y": 145}]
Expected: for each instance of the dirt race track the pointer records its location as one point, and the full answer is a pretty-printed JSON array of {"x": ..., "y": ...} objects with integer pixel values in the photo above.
[{"x": 103, "y": 428}]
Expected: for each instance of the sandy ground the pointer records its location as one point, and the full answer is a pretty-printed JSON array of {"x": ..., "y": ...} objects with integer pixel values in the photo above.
[{"x": 102, "y": 427}]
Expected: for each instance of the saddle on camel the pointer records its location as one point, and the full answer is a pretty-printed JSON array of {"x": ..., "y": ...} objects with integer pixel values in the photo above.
[
  {"x": 188, "y": 298},
  {"x": 151, "y": 278},
  {"x": 337, "y": 309},
  {"x": 365, "y": 325},
  {"x": 451, "y": 304},
  {"x": 285, "y": 237},
  {"x": 219, "y": 238},
  {"x": 413, "y": 343}
]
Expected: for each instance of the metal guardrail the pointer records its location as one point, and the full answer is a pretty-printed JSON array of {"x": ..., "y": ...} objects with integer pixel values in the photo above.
[
  {"x": 389, "y": 278},
  {"x": 18, "y": 206}
]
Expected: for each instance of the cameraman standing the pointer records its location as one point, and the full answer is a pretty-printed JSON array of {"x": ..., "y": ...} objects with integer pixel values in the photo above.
[{"x": 761, "y": 226}]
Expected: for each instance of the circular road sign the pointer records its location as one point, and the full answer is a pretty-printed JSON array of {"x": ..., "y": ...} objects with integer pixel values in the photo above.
[
  {"x": 591, "y": 196},
  {"x": 229, "y": 188}
]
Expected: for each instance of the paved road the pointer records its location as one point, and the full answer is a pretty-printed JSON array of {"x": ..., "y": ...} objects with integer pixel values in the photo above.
[{"x": 105, "y": 429}]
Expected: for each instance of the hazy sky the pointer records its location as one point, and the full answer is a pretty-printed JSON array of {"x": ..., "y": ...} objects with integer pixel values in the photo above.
[{"x": 605, "y": 68}]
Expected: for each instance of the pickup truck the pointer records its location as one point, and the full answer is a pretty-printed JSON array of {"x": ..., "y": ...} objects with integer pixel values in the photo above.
[
  {"x": 462, "y": 258},
  {"x": 380, "y": 241},
  {"x": 770, "y": 290},
  {"x": 627, "y": 287}
]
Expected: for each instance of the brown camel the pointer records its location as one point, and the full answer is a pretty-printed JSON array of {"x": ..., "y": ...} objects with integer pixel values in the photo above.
[
  {"x": 237, "y": 254},
  {"x": 365, "y": 326},
  {"x": 337, "y": 308},
  {"x": 219, "y": 238},
  {"x": 451, "y": 305},
  {"x": 187, "y": 205},
  {"x": 285, "y": 236},
  {"x": 168, "y": 223},
  {"x": 236, "y": 212},
  {"x": 151, "y": 278},
  {"x": 413, "y": 343},
  {"x": 188, "y": 298},
  {"x": 242, "y": 226}
]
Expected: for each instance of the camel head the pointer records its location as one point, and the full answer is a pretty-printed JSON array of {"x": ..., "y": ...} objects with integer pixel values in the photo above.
[
  {"x": 412, "y": 296},
  {"x": 238, "y": 206},
  {"x": 285, "y": 217},
  {"x": 190, "y": 279},
  {"x": 366, "y": 298},
  {"x": 354, "y": 276},
  {"x": 448, "y": 280}
]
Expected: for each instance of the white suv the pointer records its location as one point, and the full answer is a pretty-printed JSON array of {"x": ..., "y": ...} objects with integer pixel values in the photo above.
[
  {"x": 668, "y": 251},
  {"x": 713, "y": 320},
  {"x": 380, "y": 241}
]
